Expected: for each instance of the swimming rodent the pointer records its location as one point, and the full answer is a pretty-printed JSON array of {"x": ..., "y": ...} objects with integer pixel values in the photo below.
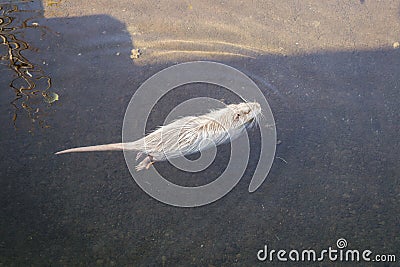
[{"x": 187, "y": 135}]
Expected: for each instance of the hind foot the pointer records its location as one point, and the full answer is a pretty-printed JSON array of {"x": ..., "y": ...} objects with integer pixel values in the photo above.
[{"x": 145, "y": 164}]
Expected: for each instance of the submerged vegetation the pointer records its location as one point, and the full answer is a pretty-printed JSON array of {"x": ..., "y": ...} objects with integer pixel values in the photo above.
[{"x": 29, "y": 82}]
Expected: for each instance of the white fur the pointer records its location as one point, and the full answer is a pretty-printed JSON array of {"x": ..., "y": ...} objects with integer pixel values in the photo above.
[{"x": 187, "y": 135}]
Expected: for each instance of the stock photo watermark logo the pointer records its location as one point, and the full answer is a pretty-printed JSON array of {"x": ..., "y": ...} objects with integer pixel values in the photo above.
[
  {"x": 148, "y": 95},
  {"x": 340, "y": 253}
]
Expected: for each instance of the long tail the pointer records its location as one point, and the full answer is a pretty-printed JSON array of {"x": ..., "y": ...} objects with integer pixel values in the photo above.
[{"x": 108, "y": 147}]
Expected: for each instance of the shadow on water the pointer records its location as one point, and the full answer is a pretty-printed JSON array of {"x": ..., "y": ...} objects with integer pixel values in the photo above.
[{"x": 337, "y": 118}]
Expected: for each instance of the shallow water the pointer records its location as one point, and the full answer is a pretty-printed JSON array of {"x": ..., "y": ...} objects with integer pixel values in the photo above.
[{"x": 329, "y": 72}]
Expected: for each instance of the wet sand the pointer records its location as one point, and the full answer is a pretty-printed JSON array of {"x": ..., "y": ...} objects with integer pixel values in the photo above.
[{"x": 336, "y": 105}]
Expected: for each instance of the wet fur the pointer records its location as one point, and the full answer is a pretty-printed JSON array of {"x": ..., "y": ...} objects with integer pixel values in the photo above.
[{"x": 186, "y": 135}]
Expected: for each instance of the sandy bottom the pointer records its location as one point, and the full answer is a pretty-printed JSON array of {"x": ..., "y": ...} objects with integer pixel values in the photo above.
[{"x": 330, "y": 74}]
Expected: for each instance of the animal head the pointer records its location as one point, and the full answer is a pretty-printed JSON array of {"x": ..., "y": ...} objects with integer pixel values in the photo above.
[
  {"x": 244, "y": 113},
  {"x": 235, "y": 116}
]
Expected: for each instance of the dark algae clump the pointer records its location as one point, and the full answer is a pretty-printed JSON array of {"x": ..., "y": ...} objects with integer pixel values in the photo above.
[{"x": 29, "y": 80}]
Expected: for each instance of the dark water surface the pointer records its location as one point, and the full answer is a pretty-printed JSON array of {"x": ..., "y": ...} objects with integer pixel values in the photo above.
[{"x": 337, "y": 114}]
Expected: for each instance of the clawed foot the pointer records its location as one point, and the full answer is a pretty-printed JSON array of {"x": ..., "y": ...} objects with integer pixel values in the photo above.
[
  {"x": 149, "y": 165},
  {"x": 145, "y": 164}
]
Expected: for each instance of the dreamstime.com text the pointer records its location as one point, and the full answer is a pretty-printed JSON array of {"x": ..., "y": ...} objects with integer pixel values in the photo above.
[{"x": 338, "y": 254}]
